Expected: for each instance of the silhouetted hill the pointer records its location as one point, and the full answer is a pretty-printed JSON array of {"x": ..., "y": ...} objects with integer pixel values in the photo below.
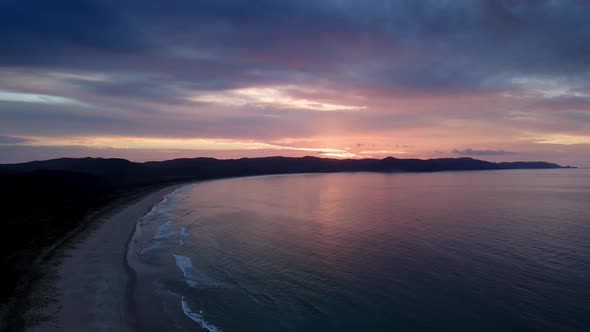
[
  {"x": 125, "y": 172},
  {"x": 529, "y": 165},
  {"x": 44, "y": 200}
]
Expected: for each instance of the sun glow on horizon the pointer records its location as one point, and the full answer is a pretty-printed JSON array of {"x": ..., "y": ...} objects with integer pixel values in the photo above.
[
  {"x": 341, "y": 147},
  {"x": 149, "y": 143},
  {"x": 564, "y": 139}
]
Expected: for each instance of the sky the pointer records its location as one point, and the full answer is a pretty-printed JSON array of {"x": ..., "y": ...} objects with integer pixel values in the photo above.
[{"x": 497, "y": 80}]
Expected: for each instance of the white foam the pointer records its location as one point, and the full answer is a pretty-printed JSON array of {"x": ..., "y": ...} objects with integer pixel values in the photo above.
[
  {"x": 197, "y": 317},
  {"x": 191, "y": 275},
  {"x": 162, "y": 209},
  {"x": 183, "y": 234},
  {"x": 165, "y": 230},
  {"x": 151, "y": 248},
  {"x": 158, "y": 209}
]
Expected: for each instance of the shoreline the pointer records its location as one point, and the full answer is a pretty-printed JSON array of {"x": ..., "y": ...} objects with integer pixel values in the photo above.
[
  {"x": 89, "y": 284},
  {"x": 142, "y": 202}
]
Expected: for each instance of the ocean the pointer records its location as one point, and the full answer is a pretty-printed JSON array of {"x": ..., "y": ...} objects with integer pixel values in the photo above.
[{"x": 459, "y": 251}]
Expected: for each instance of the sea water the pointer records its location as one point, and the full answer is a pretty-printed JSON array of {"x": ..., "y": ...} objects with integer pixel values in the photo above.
[{"x": 458, "y": 251}]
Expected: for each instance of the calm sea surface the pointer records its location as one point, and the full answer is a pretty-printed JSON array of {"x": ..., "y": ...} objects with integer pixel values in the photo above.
[{"x": 456, "y": 251}]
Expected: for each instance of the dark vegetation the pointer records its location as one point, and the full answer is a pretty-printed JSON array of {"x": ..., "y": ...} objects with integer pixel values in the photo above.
[{"x": 42, "y": 201}]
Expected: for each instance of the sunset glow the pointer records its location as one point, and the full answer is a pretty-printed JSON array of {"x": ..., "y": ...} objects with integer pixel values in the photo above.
[
  {"x": 269, "y": 97},
  {"x": 343, "y": 79}
]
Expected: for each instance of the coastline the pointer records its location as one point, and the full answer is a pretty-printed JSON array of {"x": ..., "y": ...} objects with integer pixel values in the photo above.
[
  {"x": 90, "y": 283},
  {"x": 125, "y": 289}
]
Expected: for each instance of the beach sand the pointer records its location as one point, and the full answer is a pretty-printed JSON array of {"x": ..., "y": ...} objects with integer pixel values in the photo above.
[{"x": 93, "y": 282}]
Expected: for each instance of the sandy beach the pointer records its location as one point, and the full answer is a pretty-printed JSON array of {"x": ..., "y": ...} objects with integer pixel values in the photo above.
[{"x": 92, "y": 284}]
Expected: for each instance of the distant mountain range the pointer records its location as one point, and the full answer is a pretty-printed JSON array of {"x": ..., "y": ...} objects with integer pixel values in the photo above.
[{"x": 123, "y": 172}]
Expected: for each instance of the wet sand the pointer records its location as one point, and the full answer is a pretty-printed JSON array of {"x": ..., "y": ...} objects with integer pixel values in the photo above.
[{"x": 93, "y": 282}]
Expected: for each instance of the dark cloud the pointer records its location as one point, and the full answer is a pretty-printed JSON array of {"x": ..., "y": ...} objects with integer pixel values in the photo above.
[
  {"x": 242, "y": 123},
  {"x": 562, "y": 103},
  {"x": 472, "y": 152},
  {"x": 40, "y": 32},
  {"x": 10, "y": 140},
  {"x": 406, "y": 45}
]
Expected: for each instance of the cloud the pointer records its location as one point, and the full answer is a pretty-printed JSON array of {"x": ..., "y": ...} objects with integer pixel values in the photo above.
[
  {"x": 11, "y": 140},
  {"x": 472, "y": 152},
  {"x": 406, "y": 46},
  {"x": 275, "y": 97},
  {"x": 431, "y": 73},
  {"x": 34, "y": 98},
  {"x": 384, "y": 152},
  {"x": 565, "y": 102}
]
